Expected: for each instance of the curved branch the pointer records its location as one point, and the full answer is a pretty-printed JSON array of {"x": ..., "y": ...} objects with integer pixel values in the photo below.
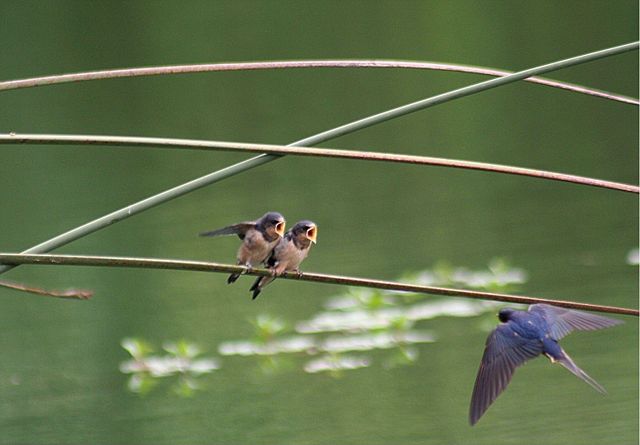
[
  {"x": 14, "y": 138},
  {"x": 289, "y": 64},
  {"x": 75, "y": 294},
  {"x": 213, "y": 177},
  {"x": 201, "y": 266}
]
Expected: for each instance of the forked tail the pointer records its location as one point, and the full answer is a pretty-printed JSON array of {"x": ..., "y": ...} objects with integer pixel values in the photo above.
[{"x": 575, "y": 370}]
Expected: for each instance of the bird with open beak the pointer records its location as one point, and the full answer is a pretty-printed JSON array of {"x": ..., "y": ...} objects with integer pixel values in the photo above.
[
  {"x": 290, "y": 251},
  {"x": 258, "y": 239}
]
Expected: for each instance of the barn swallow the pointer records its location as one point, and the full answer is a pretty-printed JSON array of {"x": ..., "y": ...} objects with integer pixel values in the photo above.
[
  {"x": 288, "y": 253},
  {"x": 524, "y": 335},
  {"x": 258, "y": 239}
]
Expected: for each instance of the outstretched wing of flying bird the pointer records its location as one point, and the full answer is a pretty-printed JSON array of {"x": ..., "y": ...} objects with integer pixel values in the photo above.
[
  {"x": 505, "y": 350},
  {"x": 563, "y": 321}
]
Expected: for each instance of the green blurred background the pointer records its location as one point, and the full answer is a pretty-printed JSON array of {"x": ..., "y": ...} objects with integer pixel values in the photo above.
[{"x": 59, "y": 378}]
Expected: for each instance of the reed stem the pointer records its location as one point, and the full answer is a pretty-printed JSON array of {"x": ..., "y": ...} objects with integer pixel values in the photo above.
[{"x": 200, "y": 266}]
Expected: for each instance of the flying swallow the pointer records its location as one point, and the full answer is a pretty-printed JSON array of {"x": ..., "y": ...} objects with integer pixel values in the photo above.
[
  {"x": 524, "y": 335},
  {"x": 288, "y": 253},
  {"x": 258, "y": 239}
]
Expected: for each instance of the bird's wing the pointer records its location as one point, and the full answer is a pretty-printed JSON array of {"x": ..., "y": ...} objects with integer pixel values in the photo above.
[
  {"x": 271, "y": 260},
  {"x": 505, "y": 350},
  {"x": 278, "y": 250},
  {"x": 563, "y": 321},
  {"x": 239, "y": 229}
]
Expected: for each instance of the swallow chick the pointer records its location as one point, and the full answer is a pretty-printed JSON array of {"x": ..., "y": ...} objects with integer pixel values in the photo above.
[
  {"x": 524, "y": 335},
  {"x": 290, "y": 251},
  {"x": 258, "y": 239}
]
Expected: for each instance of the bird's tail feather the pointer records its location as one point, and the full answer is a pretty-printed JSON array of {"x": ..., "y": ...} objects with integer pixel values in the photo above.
[
  {"x": 233, "y": 277},
  {"x": 257, "y": 286},
  {"x": 575, "y": 370}
]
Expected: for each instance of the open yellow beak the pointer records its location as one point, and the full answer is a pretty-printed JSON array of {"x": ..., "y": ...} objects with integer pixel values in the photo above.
[
  {"x": 280, "y": 228},
  {"x": 312, "y": 234}
]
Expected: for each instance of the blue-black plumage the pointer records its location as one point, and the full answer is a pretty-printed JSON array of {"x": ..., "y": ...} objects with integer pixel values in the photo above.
[{"x": 524, "y": 335}]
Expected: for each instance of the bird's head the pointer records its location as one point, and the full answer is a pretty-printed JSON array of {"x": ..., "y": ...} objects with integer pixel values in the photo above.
[
  {"x": 305, "y": 232},
  {"x": 273, "y": 224},
  {"x": 505, "y": 314}
]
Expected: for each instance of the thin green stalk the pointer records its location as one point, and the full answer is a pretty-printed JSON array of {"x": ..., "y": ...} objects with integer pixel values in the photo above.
[
  {"x": 13, "y": 138},
  {"x": 288, "y": 64},
  {"x": 216, "y": 176},
  {"x": 201, "y": 266}
]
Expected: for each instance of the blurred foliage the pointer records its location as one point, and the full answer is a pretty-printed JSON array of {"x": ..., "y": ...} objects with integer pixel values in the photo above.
[
  {"x": 377, "y": 320},
  {"x": 181, "y": 360}
]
